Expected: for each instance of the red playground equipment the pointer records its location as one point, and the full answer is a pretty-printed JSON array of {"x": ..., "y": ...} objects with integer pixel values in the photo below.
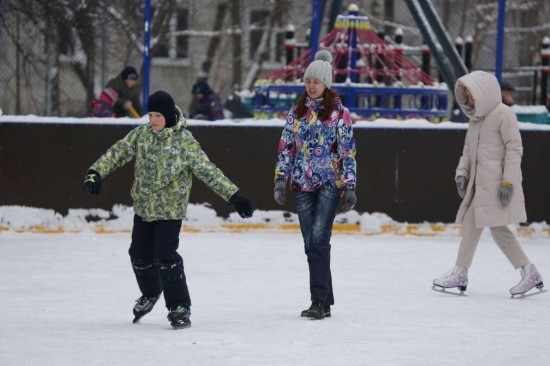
[{"x": 373, "y": 78}]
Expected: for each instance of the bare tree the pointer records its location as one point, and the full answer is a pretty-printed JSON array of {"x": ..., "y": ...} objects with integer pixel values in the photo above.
[
  {"x": 237, "y": 45},
  {"x": 213, "y": 45},
  {"x": 262, "y": 51},
  {"x": 69, "y": 32}
]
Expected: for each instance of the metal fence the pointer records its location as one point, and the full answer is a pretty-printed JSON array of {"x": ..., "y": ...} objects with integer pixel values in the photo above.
[{"x": 57, "y": 55}]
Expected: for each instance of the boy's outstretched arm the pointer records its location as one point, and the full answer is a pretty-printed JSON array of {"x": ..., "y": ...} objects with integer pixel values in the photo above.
[{"x": 214, "y": 178}]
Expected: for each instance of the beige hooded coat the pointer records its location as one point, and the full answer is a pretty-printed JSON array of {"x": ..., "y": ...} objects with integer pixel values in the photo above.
[{"x": 492, "y": 153}]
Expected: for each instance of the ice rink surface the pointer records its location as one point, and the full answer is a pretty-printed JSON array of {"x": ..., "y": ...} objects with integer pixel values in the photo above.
[{"x": 67, "y": 299}]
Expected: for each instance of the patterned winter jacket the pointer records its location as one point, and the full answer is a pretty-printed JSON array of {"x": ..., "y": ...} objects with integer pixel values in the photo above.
[
  {"x": 317, "y": 153},
  {"x": 164, "y": 164}
]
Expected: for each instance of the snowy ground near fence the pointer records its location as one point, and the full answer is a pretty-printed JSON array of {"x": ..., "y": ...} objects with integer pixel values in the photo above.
[
  {"x": 413, "y": 123},
  {"x": 202, "y": 218},
  {"x": 66, "y": 299}
]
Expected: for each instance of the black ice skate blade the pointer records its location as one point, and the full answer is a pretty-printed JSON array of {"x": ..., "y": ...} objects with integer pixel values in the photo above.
[
  {"x": 181, "y": 325},
  {"x": 528, "y": 294},
  {"x": 313, "y": 315},
  {"x": 444, "y": 290},
  {"x": 137, "y": 318},
  {"x": 304, "y": 314}
]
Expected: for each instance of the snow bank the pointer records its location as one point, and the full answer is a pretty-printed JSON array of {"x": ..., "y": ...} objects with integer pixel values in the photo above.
[
  {"x": 410, "y": 123},
  {"x": 202, "y": 218}
]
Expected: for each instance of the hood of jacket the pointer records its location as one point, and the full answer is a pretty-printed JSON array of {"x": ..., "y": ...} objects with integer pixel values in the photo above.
[
  {"x": 182, "y": 122},
  {"x": 485, "y": 90}
]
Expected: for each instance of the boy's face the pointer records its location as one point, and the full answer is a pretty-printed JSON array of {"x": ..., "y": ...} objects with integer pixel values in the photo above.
[
  {"x": 470, "y": 101},
  {"x": 156, "y": 120}
]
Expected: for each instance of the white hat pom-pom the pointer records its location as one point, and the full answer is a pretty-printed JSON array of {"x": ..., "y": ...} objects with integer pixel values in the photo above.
[{"x": 324, "y": 55}]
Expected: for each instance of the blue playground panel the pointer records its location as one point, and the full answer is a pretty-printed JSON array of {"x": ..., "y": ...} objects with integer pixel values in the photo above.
[{"x": 366, "y": 101}]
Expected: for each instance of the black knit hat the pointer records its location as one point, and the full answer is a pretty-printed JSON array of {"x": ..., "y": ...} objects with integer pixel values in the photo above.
[
  {"x": 504, "y": 86},
  {"x": 201, "y": 87},
  {"x": 162, "y": 102},
  {"x": 129, "y": 72}
]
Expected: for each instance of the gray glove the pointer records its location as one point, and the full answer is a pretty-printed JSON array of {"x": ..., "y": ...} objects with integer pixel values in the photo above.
[
  {"x": 505, "y": 191},
  {"x": 349, "y": 200},
  {"x": 461, "y": 184},
  {"x": 279, "y": 191}
]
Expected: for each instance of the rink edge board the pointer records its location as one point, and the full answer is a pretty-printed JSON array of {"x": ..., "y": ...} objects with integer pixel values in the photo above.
[
  {"x": 425, "y": 230},
  {"x": 407, "y": 174}
]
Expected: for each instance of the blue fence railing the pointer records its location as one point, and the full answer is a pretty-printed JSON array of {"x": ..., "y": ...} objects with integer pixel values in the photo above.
[{"x": 364, "y": 100}]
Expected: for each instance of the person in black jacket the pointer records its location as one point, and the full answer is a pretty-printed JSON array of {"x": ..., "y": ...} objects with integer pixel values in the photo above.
[{"x": 206, "y": 104}]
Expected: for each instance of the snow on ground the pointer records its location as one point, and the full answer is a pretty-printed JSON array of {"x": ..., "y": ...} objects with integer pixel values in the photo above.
[
  {"x": 202, "y": 218},
  {"x": 66, "y": 299},
  {"x": 411, "y": 123}
]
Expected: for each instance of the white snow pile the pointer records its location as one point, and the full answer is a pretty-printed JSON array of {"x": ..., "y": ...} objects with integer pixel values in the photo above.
[
  {"x": 202, "y": 218},
  {"x": 409, "y": 123}
]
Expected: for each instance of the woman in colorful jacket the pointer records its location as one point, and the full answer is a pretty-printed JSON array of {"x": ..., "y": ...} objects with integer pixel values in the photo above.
[
  {"x": 166, "y": 156},
  {"x": 317, "y": 152},
  {"x": 488, "y": 179}
]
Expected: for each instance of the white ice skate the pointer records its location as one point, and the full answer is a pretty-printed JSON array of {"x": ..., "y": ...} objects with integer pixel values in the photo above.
[
  {"x": 455, "y": 278},
  {"x": 530, "y": 278}
]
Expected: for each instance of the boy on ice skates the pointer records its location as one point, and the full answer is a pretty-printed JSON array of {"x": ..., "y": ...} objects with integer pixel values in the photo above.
[{"x": 166, "y": 156}]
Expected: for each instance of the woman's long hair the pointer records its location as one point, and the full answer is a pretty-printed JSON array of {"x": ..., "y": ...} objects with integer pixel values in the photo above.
[{"x": 329, "y": 103}]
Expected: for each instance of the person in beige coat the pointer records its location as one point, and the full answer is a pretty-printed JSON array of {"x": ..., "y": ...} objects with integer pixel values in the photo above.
[{"x": 488, "y": 179}]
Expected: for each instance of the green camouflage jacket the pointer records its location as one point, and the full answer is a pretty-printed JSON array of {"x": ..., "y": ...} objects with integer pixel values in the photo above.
[
  {"x": 124, "y": 94},
  {"x": 164, "y": 164}
]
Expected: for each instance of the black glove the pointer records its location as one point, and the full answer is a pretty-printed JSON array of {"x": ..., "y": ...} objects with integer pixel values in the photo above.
[
  {"x": 242, "y": 204},
  {"x": 349, "y": 200},
  {"x": 92, "y": 183},
  {"x": 279, "y": 191}
]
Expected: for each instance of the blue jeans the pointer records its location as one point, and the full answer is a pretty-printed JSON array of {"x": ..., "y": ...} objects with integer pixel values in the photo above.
[{"x": 316, "y": 212}]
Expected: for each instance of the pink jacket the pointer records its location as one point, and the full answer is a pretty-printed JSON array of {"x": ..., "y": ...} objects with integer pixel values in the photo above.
[{"x": 492, "y": 153}]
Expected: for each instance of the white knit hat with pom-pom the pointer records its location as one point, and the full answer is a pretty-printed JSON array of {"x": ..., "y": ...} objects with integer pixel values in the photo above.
[{"x": 321, "y": 68}]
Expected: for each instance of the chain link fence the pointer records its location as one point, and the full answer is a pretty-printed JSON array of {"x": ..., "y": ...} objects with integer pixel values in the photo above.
[{"x": 57, "y": 55}]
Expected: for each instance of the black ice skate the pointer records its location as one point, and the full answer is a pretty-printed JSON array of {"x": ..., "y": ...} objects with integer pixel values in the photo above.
[
  {"x": 179, "y": 317},
  {"x": 143, "y": 306}
]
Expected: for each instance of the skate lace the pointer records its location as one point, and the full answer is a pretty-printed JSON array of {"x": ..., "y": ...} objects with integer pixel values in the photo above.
[
  {"x": 142, "y": 300},
  {"x": 179, "y": 314},
  {"x": 179, "y": 310}
]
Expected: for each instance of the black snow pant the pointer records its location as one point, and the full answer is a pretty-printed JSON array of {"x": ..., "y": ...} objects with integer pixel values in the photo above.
[{"x": 157, "y": 265}]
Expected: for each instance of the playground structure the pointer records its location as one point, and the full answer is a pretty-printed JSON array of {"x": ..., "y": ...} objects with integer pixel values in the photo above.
[{"x": 373, "y": 78}]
